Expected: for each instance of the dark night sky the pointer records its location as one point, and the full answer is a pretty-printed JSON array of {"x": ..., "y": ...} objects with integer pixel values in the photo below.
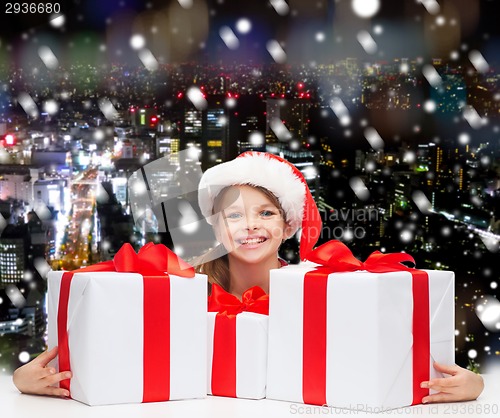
[{"x": 306, "y": 18}]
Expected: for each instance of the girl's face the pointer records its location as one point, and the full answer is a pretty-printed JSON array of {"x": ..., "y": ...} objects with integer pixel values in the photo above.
[{"x": 249, "y": 225}]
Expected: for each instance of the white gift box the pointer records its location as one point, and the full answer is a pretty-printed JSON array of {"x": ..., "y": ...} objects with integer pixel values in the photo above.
[
  {"x": 251, "y": 354},
  {"x": 369, "y": 338},
  {"x": 105, "y": 333}
]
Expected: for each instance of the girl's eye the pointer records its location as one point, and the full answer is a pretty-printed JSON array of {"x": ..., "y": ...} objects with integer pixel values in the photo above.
[
  {"x": 233, "y": 215},
  {"x": 267, "y": 213}
]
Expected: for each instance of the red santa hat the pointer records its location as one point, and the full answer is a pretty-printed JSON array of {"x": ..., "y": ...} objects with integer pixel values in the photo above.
[{"x": 278, "y": 176}]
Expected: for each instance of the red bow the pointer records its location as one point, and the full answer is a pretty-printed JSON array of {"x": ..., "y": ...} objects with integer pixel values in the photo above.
[
  {"x": 253, "y": 300},
  {"x": 337, "y": 257},
  {"x": 151, "y": 260}
]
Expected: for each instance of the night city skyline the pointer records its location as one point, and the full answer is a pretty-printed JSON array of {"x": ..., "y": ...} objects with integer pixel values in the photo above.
[{"x": 394, "y": 121}]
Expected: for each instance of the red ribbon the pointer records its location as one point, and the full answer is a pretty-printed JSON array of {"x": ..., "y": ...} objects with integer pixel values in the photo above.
[
  {"x": 334, "y": 256},
  {"x": 153, "y": 262},
  {"x": 227, "y": 307}
]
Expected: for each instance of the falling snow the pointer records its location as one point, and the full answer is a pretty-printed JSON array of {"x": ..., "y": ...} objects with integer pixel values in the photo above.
[
  {"x": 472, "y": 117},
  {"x": 276, "y": 51},
  {"x": 108, "y": 109},
  {"x": 422, "y": 202},
  {"x": 137, "y": 41},
  {"x": 281, "y": 7},
  {"x": 432, "y": 6},
  {"x": 148, "y": 59},
  {"x": 243, "y": 26},
  {"x": 365, "y": 8},
  {"x": 359, "y": 188},
  {"x": 51, "y": 107},
  {"x": 432, "y": 76},
  {"x": 229, "y": 37},
  {"x": 196, "y": 96},
  {"x": 280, "y": 130},
  {"x": 28, "y": 105},
  {"x": 367, "y": 42},
  {"x": 374, "y": 138},
  {"x": 24, "y": 357},
  {"x": 57, "y": 21},
  {"x": 257, "y": 139},
  {"x": 478, "y": 61}
]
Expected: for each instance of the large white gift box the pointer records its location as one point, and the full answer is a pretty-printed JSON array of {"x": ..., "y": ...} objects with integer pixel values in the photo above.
[
  {"x": 368, "y": 361},
  {"x": 119, "y": 348}
]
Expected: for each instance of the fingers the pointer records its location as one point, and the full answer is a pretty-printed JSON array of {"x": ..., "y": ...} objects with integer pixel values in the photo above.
[
  {"x": 44, "y": 358},
  {"x": 46, "y": 371},
  {"x": 440, "y": 397},
  {"x": 56, "y": 378},
  {"x": 448, "y": 369},
  {"x": 440, "y": 384},
  {"x": 51, "y": 391}
]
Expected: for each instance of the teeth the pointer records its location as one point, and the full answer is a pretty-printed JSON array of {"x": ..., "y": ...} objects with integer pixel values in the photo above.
[{"x": 253, "y": 241}]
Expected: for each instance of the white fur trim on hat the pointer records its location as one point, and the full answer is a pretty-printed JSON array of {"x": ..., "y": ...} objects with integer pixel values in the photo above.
[{"x": 256, "y": 169}]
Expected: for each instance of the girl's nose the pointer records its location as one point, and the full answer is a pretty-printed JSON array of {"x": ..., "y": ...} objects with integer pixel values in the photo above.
[{"x": 252, "y": 223}]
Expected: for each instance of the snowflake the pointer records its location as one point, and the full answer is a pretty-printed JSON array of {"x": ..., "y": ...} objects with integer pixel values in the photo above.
[
  {"x": 108, "y": 109},
  {"x": 320, "y": 37},
  {"x": 48, "y": 57},
  {"x": 148, "y": 59},
  {"x": 464, "y": 138},
  {"x": 243, "y": 25},
  {"x": 294, "y": 145},
  {"x": 406, "y": 236},
  {"x": 367, "y": 42},
  {"x": 440, "y": 20},
  {"x": 373, "y": 137},
  {"x": 432, "y": 76},
  {"x": 256, "y": 138},
  {"x": 446, "y": 231},
  {"x": 51, "y": 107},
  {"x": 430, "y": 106},
  {"x": 279, "y": 129},
  {"x": 57, "y": 21},
  {"x": 231, "y": 102},
  {"x": 432, "y": 6},
  {"x": 472, "y": 117},
  {"x": 137, "y": 41},
  {"x": 186, "y": 4},
  {"x": 359, "y": 188},
  {"x": 478, "y": 61},
  {"x": 276, "y": 51},
  {"x": 229, "y": 37},
  {"x": 280, "y": 6},
  {"x": 365, "y": 8},
  {"x": 472, "y": 354},
  {"x": 196, "y": 96},
  {"x": 28, "y": 104}
]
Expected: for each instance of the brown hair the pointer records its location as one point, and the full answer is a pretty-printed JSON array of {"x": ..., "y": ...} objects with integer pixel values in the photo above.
[{"x": 217, "y": 266}]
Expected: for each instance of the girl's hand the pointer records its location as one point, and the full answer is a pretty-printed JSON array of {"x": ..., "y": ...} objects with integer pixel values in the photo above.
[
  {"x": 462, "y": 385},
  {"x": 37, "y": 379}
]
